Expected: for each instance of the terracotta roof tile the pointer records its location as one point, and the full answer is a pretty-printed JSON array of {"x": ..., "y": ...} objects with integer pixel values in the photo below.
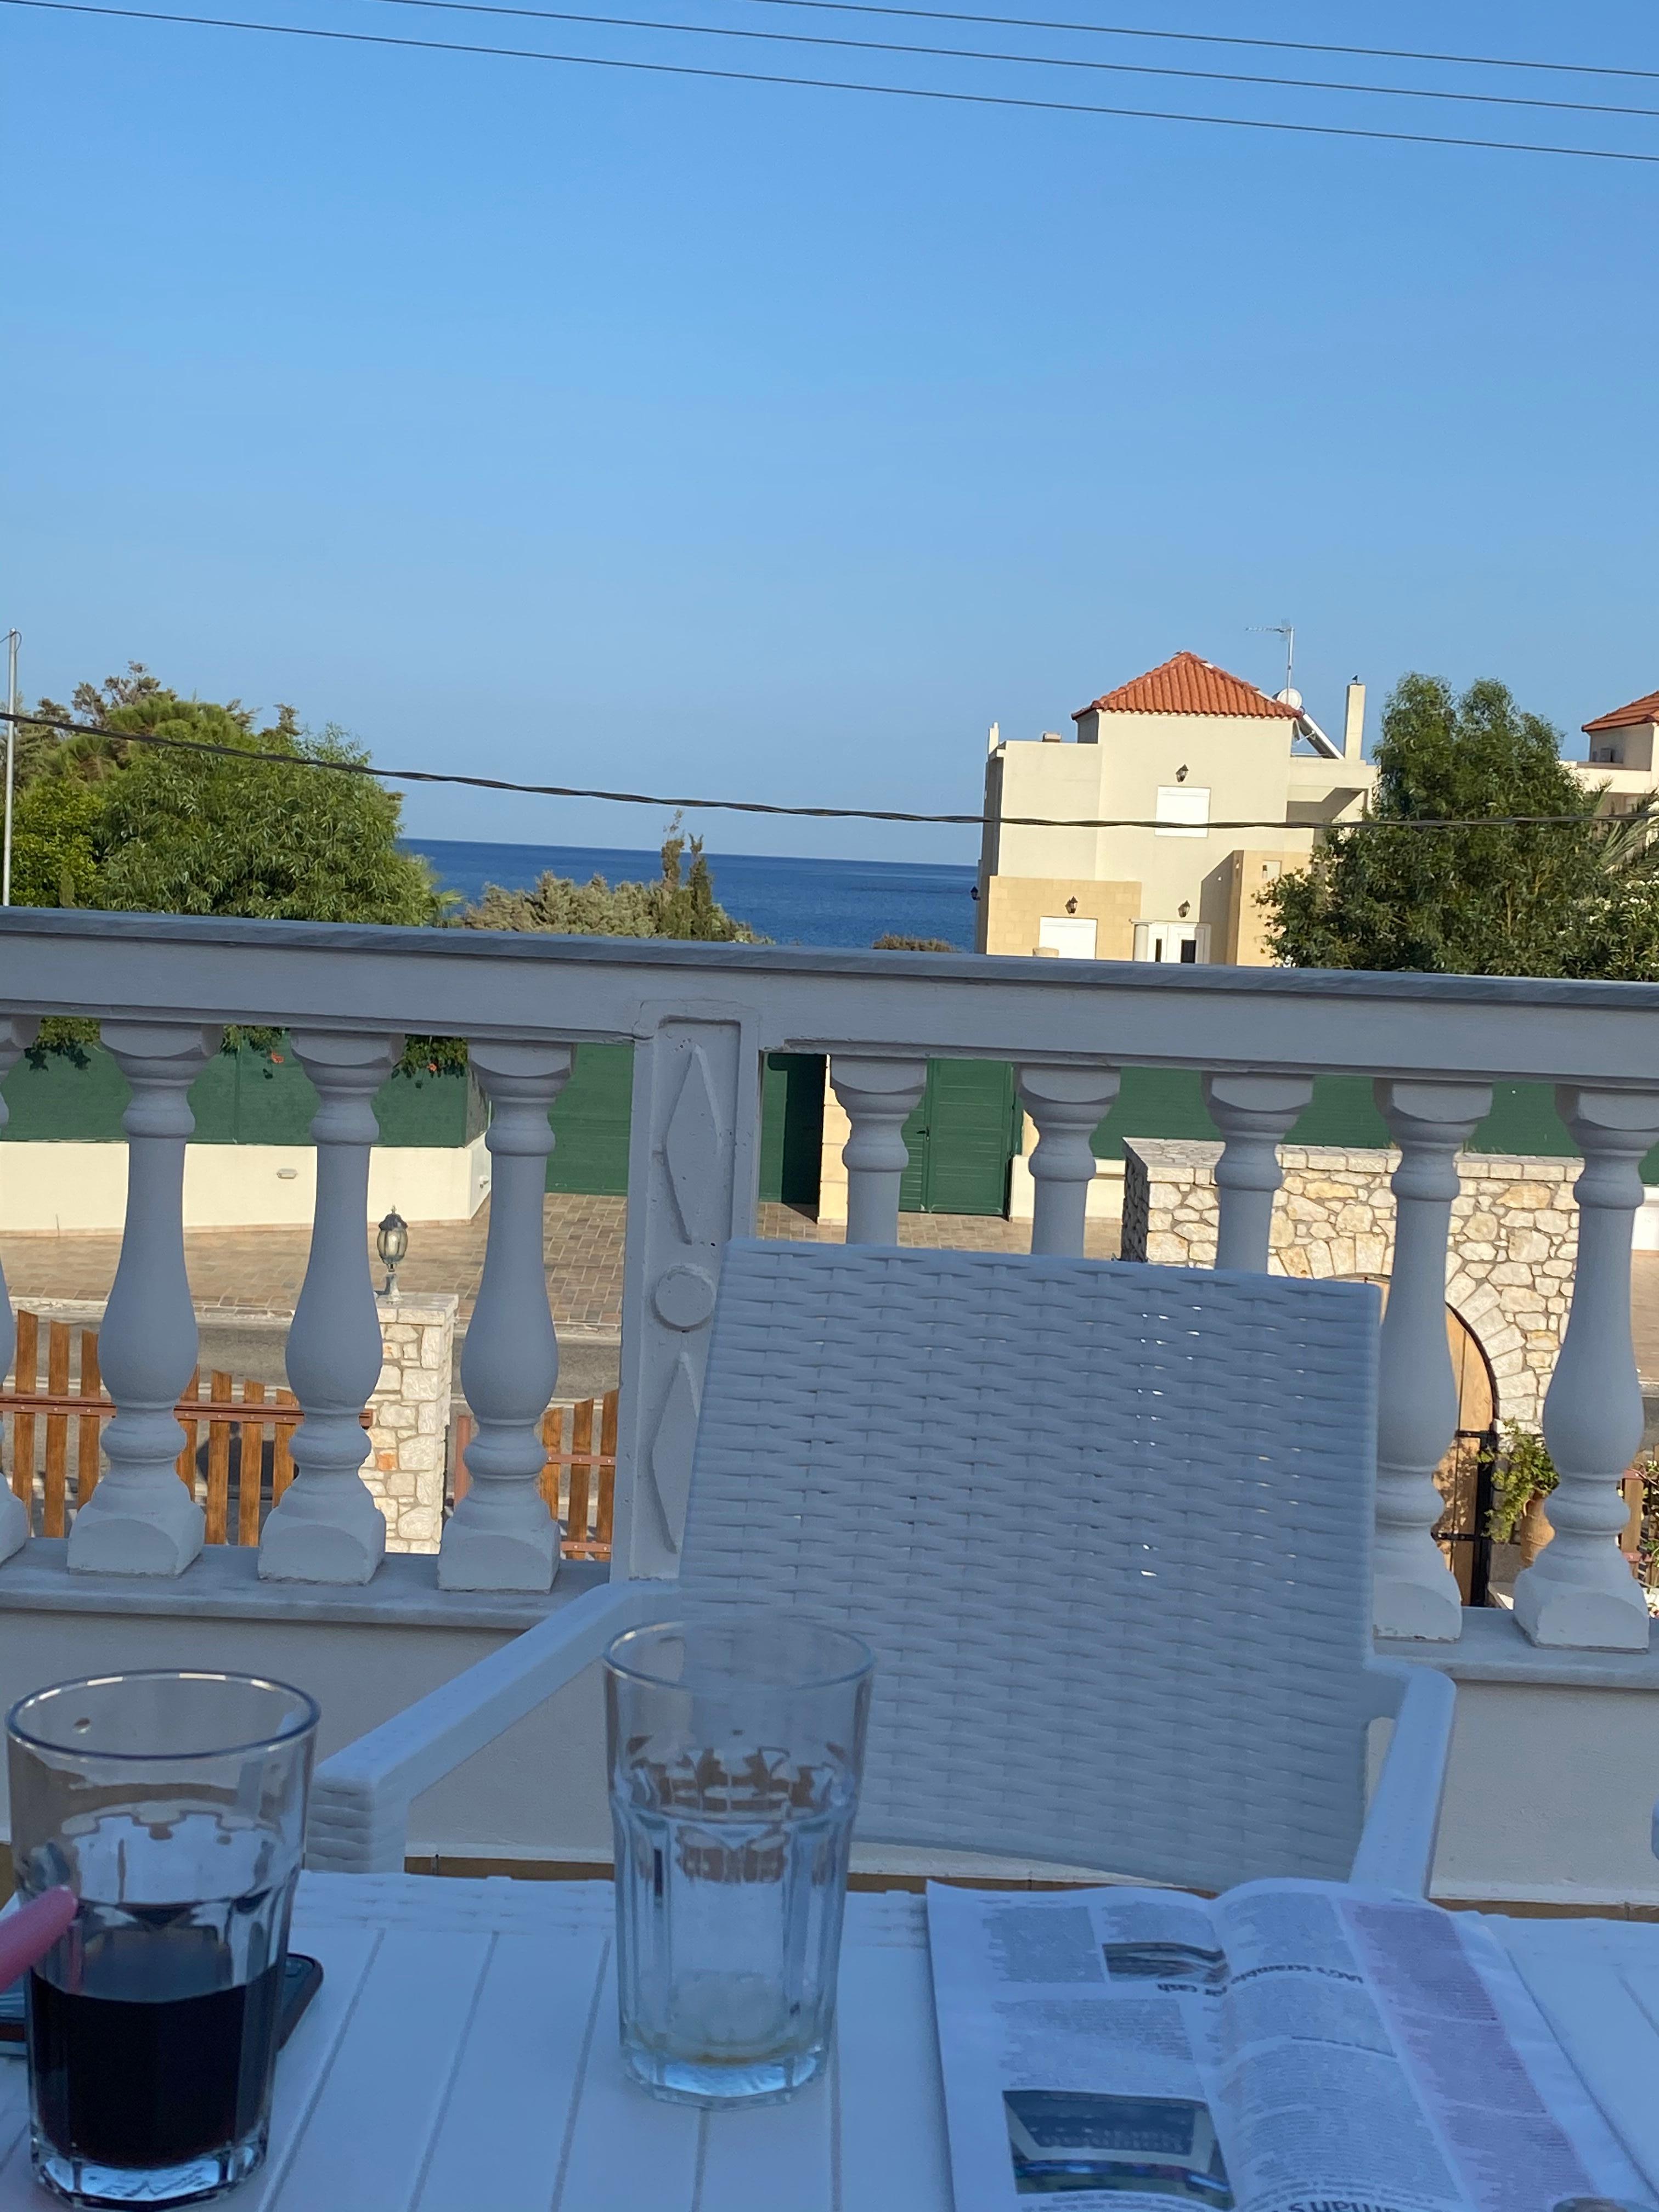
[
  {"x": 1188, "y": 685},
  {"x": 1625, "y": 717}
]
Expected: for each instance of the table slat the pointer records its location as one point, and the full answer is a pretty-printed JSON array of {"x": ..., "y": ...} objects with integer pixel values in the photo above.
[
  {"x": 504, "y": 2126},
  {"x": 1573, "y": 1970},
  {"x": 365, "y": 2144},
  {"x": 626, "y": 2150},
  {"x": 893, "y": 2150},
  {"x": 776, "y": 2155}
]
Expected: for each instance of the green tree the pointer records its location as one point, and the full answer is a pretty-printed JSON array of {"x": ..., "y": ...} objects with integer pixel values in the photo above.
[
  {"x": 153, "y": 831},
  {"x": 1574, "y": 899},
  {"x": 56, "y": 827},
  {"x": 679, "y": 903}
]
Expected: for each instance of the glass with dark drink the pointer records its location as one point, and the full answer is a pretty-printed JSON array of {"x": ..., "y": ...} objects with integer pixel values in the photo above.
[{"x": 173, "y": 1804}]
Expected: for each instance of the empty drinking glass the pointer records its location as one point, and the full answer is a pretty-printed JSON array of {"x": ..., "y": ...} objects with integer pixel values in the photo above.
[
  {"x": 173, "y": 1805},
  {"x": 736, "y": 1745}
]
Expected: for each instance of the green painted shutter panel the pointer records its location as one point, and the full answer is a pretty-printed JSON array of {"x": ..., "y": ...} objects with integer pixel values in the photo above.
[
  {"x": 960, "y": 1138},
  {"x": 590, "y": 1118},
  {"x": 792, "y": 1128}
]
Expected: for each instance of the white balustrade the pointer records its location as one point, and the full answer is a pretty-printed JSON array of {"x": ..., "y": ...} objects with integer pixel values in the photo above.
[
  {"x": 1580, "y": 1590},
  {"x": 501, "y": 1535},
  {"x": 692, "y": 1168},
  {"x": 328, "y": 1528},
  {"x": 1067, "y": 1104},
  {"x": 1415, "y": 1593},
  {"x": 879, "y": 1097},
  {"x": 142, "y": 1520},
  {"x": 1254, "y": 1113},
  {"x": 16, "y": 1036}
]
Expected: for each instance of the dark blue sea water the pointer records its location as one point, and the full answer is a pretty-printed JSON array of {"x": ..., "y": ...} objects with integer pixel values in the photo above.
[{"x": 840, "y": 903}]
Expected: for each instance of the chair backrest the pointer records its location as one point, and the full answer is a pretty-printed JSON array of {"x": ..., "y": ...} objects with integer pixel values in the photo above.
[{"x": 1107, "y": 1526}]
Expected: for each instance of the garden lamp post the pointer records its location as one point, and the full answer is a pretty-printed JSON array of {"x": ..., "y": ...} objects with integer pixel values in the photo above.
[{"x": 391, "y": 1242}]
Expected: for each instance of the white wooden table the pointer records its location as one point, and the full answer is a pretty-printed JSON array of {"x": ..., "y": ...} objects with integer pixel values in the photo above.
[{"x": 461, "y": 2056}]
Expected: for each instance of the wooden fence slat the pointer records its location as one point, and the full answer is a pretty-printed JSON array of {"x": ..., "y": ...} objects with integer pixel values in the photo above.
[
  {"x": 89, "y": 1428},
  {"x": 552, "y": 1445},
  {"x": 218, "y": 1469},
  {"x": 55, "y": 1492},
  {"x": 250, "y": 1468},
  {"x": 185, "y": 1465},
  {"x": 26, "y": 1366},
  {"x": 581, "y": 1441},
  {"x": 602, "y": 1535},
  {"x": 463, "y": 1439},
  {"x": 282, "y": 1459}
]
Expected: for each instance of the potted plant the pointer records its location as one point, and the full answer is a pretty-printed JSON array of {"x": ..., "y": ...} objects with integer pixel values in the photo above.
[{"x": 1523, "y": 1476}]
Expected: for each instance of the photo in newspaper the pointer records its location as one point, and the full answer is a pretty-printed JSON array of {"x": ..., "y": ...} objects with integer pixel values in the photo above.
[{"x": 1290, "y": 2047}]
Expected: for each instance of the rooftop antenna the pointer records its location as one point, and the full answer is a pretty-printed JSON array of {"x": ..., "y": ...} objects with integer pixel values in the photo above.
[{"x": 1287, "y": 631}]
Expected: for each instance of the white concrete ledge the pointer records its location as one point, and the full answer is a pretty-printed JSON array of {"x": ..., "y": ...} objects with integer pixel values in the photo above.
[
  {"x": 1493, "y": 1649},
  {"x": 224, "y": 1584}
]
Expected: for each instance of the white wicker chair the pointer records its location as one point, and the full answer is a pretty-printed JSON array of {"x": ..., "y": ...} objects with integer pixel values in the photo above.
[{"x": 1107, "y": 1526}]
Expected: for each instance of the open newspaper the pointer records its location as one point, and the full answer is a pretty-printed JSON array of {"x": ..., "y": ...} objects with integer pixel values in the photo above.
[{"x": 1290, "y": 2047}]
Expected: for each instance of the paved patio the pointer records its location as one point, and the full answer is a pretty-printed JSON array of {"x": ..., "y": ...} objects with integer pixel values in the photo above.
[{"x": 260, "y": 1270}]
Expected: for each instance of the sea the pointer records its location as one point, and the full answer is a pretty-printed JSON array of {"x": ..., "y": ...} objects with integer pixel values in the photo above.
[{"x": 792, "y": 902}]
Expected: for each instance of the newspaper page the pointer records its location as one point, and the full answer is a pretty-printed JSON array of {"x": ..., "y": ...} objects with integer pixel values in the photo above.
[{"x": 1290, "y": 2047}]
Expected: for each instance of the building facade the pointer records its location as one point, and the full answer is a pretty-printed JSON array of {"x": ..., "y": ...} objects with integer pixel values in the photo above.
[{"x": 1190, "y": 751}]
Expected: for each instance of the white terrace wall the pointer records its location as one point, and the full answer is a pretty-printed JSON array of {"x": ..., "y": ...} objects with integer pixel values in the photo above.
[{"x": 1509, "y": 1257}]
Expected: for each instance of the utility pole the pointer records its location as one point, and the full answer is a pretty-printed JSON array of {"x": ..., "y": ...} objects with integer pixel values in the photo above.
[{"x": 13, "y": 640}]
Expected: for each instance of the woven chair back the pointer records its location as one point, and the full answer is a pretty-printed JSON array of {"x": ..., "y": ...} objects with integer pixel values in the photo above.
[{"x": 1107, "y": 1527}]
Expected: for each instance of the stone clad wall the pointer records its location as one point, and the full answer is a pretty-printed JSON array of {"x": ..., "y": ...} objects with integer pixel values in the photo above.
[
  {"x": 409, "y": 1412},
  {"x": 1509, "y": 1260}
]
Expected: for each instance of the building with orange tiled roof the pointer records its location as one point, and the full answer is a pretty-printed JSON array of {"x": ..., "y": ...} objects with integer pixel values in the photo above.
[{"x": 1185, "y": 749}]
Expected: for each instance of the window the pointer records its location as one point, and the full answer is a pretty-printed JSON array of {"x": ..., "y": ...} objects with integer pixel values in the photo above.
[{"x": 1185, "y": 807}]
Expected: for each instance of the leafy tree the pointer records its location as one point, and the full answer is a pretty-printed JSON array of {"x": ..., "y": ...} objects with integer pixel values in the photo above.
[
  {"x": 677, "y": 904},
  {"x": 55, "y": 835},
  {"x": 195, "y": 833},
  {"x": 1578, "y": 898}
]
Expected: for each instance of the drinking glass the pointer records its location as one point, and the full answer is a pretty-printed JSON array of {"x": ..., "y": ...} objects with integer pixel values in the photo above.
[
  {"x": 736, "y": 1745},
  {"x": 173, "y": 1803}
]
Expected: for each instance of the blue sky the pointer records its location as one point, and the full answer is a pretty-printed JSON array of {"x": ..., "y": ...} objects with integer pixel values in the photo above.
[{"x": 586, "y": 426}]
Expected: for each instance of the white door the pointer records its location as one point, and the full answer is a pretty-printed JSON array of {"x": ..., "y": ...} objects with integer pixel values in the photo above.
[
  {"x": 1185, "y": 942},
  {"x": 1071, "y": 935}
]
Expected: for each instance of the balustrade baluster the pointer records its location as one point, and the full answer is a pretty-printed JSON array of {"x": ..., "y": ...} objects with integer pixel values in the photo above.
[
  {"x": 16, "y": 1036},
  {"x": 1415, "y": 1591},
  {"x": 1067, "y": 1104},
  {"x": 878, "y": 1097},
  {"x": 1580, "y": 1590},
  {"x": 1253, "y": 1113},
  {"x": 500, "y": 1534},
  {"x": 141, "y": 1519},
  {"x": 327, "y": 1527}
]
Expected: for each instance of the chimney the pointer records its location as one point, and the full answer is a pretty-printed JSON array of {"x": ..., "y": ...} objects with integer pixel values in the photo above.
[
  {"x": 1353, "y": 722},
  {"x": 994, "y": 737}
]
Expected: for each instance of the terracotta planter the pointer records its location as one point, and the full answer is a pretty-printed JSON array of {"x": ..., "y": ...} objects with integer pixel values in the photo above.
[{"x": 1533, "y": 1531}]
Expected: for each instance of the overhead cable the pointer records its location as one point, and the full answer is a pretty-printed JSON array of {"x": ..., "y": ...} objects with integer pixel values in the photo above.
[
  {"x": 842, "y": 84},
  {"x": 1216, "y": 39},
  {"x": 1034, "y": 60},
  {"x": 765, "y": 806}
]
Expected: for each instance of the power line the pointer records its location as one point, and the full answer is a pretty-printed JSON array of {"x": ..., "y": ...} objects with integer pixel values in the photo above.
[
  {"x": 1037, "y": 60},
  {"x": 814, "y": 813},
  {"x": 842, "y": 84},
  {"x": 1218, "y": 38}
]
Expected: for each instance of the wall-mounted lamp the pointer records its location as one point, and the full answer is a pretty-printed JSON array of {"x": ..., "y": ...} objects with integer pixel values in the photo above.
[
  {"x": 1181, "y": 773},
  {"x": 392, "y": 1242},
  {"x": 1070, "y": 906},
  {"x": 1184, "y": 908}
]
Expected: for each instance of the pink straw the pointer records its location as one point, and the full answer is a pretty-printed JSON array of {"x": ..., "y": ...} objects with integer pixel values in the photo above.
[{"x": 30, "y": 1932}]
